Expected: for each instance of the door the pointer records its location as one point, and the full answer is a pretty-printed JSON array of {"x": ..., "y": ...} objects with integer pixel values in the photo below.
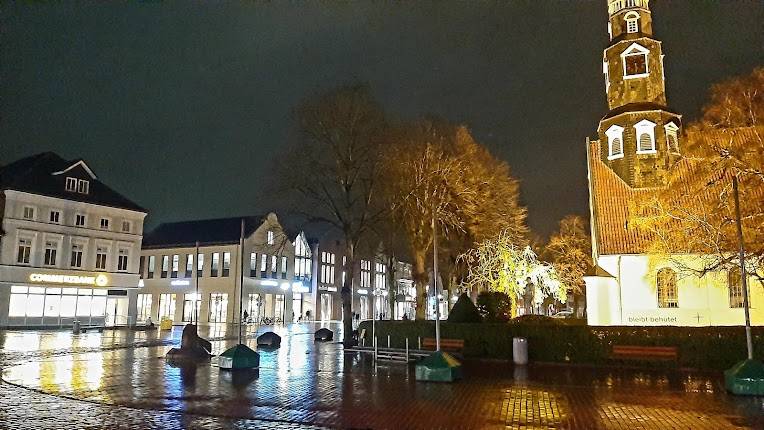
[
  {"x": 116, "y": 311},
  {"x": 364, "y": 302}
]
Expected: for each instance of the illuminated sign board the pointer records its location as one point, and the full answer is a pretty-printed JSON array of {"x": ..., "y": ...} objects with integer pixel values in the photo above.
[
  {"x": 362, "y": 291},
  {"x": 177, "y": 283},
  {"x": 53, "y": 278}
]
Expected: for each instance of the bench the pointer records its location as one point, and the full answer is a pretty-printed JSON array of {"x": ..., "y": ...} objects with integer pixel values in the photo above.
[
  {"x": 453, "y": 345},
  {"x": 631, "y": 352}
]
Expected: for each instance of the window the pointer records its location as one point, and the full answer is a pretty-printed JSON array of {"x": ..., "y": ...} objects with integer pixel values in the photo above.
[
  {"x": 165, "y": 266},
  {"x": 24, "y": 251},
  {"x": 54, "y": 217},
  {"x": 166, "y": 306},
  {"x": 667, "y": 290},
  {"x": 226, "y": 263},
  {"x": 76, "y": 260},
  {"x": 284, "y": 267},
  {"x": 50, "y": 253},
  {"x": 632, "y": 22},
  {"x": 144, "y": 307},
  {"x": 191, "y": 304},
  {"x": 672, "y": 137},
  {"x": 79, "y": 220},
  {"x": 141, "y": 265},
  {"x": 126, "y": 226},
  {"x": 199, "y": 264},
  {"x": 122, "y": 259},
  {"x": 218, "y": 307},
  {"x": 270, "y": 237},
  {"x": 189, "y": 265},
  {"x": 215, "y": 264},
  {"x": 56, "y": 302},
  {"x": 252, "y": 264},
  {"x": 71, "y": 184},
  {"x": 263, "y": 265},
  {"x": 327, "y": 267},
  {"x": 606, "y": 72},
  {"x": 274, "y": 261},
  {"x": 635, "y": 62},
  {"x": 28, "y": 212},
  {"x": 645, "y": 131},
  {"x": 614, "y": 142},
  {"x": 152, "y": 265},
  {"x": 104, "y": 223},
  {"x": 735, "y": 284},
  {"x": 83, "y": 186},
  {"x": 365, "y": 273},
  {"x": 175, "y": 265},
  {"x": 100, "y": 258},
  {"x": 380, "y": 276}
]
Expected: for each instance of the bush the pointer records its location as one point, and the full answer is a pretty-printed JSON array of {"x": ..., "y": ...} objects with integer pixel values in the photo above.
[
  {"x": 464, "y": 311},
  {"x": 494, "y": 306},
  {"x": 699, "y": 347}
]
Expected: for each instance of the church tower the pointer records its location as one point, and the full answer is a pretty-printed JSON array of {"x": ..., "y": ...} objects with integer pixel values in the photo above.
[{"x": 639, "y": 137}]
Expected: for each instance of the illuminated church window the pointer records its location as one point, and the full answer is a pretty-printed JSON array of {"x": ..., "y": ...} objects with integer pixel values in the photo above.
[
  {"x": 667, "y": 289},
  {"x": 672, "y": 137},
  {"x": 615, "y": 142},
  {"x": 645, "y": 131}
]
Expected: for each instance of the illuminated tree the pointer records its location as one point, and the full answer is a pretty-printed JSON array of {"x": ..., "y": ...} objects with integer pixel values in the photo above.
[
  {"x": 695, "y": 214},
  {"x": 570, "y": 252},
  {"x": 436, "y": 170},
  {"x": 498, "y": 264}
]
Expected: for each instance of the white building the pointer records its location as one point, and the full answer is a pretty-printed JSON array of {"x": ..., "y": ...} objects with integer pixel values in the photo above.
[
  {"x": 187, "y": 283},
  {"x": 639, "y": 143},
  {"x": 69, "y": 246}
]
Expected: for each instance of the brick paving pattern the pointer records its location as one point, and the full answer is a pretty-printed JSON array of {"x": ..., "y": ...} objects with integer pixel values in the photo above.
[{"x": 123, "y": 382}]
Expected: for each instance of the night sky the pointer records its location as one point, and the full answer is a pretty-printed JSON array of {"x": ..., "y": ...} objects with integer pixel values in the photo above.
[{"x": 185, "y": 106}]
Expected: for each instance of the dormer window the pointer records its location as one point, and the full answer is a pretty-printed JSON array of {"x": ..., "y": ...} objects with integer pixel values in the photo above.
[
  {"x": 614, "y": 142},
  {"x": 71, "y": 184},
  {"x": 672, "y": 137},
  {"x": 645, "y": 137},
  {"x": 270, "y": 237},
  {"x": 635, "y": 62},
  {"x": 83, "y": 186},
  {"x": 632, "y": 22}
]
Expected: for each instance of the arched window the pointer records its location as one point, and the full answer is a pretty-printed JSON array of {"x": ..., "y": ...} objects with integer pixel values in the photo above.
[
  {"x": 672, "y": 137},
  {"x": 632, "y": 22},
  {"x": 667, "y": 289},
  {"x": 615, "y": 142},
  {"x": 735, "y": 285},
  {"x": 645, "y": 131}
]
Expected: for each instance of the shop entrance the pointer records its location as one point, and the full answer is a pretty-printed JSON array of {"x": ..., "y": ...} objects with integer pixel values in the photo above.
[
  {"x": 326, "y": 307},
  {"x": 116, "y": 311}
]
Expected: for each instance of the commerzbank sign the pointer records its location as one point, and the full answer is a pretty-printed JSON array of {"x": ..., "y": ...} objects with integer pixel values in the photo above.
[{"x": 53, "y": 278}]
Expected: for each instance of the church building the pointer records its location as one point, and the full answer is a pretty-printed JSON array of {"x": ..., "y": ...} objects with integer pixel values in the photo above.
[{"x": 639, "y": 142}]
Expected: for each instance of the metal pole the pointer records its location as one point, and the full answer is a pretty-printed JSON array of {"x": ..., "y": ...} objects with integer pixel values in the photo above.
[
  {"x": 407, "y": 350},
  {"x": 435, "y": 281},
  {"x": 241, "y": 278},
  {"x": 743, "y": 280},
  {"x": 196, "y": 284}
]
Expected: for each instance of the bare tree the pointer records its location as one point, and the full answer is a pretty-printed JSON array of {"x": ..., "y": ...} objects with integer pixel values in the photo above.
[
  {"x": 570, "y": 251},
  {"x": 335, "y": 169}
]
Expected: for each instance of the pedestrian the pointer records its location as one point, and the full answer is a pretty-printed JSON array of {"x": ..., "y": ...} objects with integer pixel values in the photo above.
[{"x": 246, "y": 317}]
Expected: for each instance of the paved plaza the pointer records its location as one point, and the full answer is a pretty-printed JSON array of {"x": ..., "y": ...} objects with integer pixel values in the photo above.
[{"x": 119, "y": 379}]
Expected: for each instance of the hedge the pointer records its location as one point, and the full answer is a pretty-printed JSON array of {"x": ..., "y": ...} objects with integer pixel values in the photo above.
[{"x": 699, "y": 347}]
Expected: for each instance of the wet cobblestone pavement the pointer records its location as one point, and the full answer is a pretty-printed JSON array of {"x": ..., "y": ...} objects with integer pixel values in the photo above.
[{"x": 119, "y": 379}]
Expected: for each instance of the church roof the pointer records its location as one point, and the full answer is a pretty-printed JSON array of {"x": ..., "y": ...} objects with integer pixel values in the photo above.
[{"x": 638, "y": 107}]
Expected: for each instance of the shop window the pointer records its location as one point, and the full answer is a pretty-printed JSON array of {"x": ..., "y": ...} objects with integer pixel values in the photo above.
[
  {"x": 191, "y": 306},
  {"x": 166, "y": 306},
  {"x": 667, "y": 288},
  {"x": 218, "y": 307},
  {"x": 144, "y": 307}
]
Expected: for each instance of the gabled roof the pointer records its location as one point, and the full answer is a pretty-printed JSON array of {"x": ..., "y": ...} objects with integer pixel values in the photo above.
[
  {"x": 638, "y": 107},
  {"x": 45, "y": 174},
  {"x": 219, "y": 231}
]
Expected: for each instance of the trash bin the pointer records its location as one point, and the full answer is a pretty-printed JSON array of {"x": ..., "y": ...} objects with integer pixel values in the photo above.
[
  {"x": 520, "y": 350},
  {"x": 76, "y": 327}
]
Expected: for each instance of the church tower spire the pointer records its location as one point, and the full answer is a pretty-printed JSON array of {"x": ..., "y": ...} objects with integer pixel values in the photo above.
[{"x": 639, "y": 136}]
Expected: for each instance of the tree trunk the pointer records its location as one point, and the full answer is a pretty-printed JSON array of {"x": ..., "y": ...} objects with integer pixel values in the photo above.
[
  {"x": 420, "y": 282},
  {"x": 347, "y": 295},
  {"x": 392, "y": 286}
]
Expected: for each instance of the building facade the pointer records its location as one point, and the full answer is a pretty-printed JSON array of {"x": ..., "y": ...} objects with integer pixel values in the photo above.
[
  {"x": 639, "y": 142},
  {"x": 69, "y": 246},
  {"x": 192, "y": 271}
]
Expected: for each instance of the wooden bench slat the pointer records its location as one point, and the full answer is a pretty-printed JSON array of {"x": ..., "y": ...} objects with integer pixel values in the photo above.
[{"x": 645, "y": 352}]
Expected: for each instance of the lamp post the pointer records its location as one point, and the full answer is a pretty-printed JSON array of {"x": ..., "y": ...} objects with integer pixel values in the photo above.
[{"x": 747, "y": 376}]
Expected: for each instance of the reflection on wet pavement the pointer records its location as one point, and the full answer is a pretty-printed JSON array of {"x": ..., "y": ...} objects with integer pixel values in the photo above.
[{"x": 304, "y": 382}]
